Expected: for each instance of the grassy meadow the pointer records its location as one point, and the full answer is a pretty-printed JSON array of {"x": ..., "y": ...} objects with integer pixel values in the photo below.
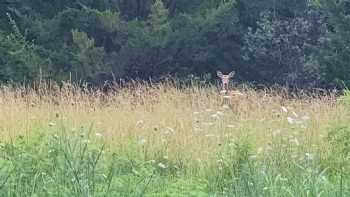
[{"x": 162, "y": 140}]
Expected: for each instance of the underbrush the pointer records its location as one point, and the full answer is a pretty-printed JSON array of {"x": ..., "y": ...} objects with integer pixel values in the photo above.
[
  {"x": 63, "y": 164},
  {"x": 81, "y": 164}
]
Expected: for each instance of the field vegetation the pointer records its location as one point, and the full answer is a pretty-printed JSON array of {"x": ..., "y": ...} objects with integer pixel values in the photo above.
[{"x": 162, "y": 140}]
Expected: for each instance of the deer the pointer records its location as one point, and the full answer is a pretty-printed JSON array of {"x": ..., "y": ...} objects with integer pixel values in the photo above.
[{"x": 229, "y": 96}]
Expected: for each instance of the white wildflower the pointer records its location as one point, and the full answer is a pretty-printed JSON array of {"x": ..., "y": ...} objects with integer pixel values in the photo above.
[
  {"x": 283, "y": 179},
  {"x": 238, "y": 93},
  {"x": 215, "y": 116},
  {"x": 252, "y": 157},
  {"x": 135, "y": 172},
  {"x": 309, "y": 156},
  {"x": 290, "y": 120},
  {"x": 86, "y": 141},
  {"x": 210, "y": 135},
  {"x": 142, "y": 141},
  {"x": 152, "y": 161},
  {"x": 284, "y": 109},
  {"x": 219, "y": 113},
  {"x": 295, "y": 114},
  {"x": 169, "y": 130},
  {"x": 139, "y": 123},
  {"x": 51, "y": 124},
  {"x": 225, "y": 107},
  {"x": 99, "y": 135},
  {"x": 161, "y": 165},
  {"x": 231, "y": 126}
]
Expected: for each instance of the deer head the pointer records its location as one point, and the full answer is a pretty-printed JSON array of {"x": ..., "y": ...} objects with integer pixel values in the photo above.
[{"x": 225, "y": 79}]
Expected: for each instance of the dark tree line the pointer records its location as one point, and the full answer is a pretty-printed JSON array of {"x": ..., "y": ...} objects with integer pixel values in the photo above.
[{"x": 298, "y": 43}]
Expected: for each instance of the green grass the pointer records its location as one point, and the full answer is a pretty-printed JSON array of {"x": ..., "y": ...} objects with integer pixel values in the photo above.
[{"x": 165, "y": 141}]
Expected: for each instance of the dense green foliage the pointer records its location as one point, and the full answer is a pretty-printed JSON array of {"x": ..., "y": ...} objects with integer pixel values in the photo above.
[
  {"x": 299, "y": 43},
  {"x": 78, "y": 164}
]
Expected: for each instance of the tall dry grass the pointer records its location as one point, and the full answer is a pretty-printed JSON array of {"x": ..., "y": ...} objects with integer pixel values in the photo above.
[
  {"x": 190, "y": 123},
  {"x": 162, "y": 140}
]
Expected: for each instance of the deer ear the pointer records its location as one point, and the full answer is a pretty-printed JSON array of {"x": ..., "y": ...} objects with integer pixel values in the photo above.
[
  {"x": 219, "y": 74},
  {"x": 232, "y": 74}
]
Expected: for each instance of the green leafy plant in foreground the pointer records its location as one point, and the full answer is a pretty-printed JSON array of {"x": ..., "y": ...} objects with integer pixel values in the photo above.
[{"x": 78, "y": 163}]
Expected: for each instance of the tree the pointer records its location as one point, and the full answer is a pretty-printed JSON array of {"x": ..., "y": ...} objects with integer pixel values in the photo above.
[
  {"x": 19, "y": 59},
  {"x": 268, "y": 41},
  {"x": 335, "y": 57},
  {"x": 208, "y": 39},
  {"x": 280, "y": 50},
  {"x": 145, "y": 52},
  {"x": 159, "y": 25},
  {"x": 88, "y": 60}
]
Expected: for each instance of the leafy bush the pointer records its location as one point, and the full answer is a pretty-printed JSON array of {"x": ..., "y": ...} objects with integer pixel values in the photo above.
[{"x": 283, "y": 49}]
